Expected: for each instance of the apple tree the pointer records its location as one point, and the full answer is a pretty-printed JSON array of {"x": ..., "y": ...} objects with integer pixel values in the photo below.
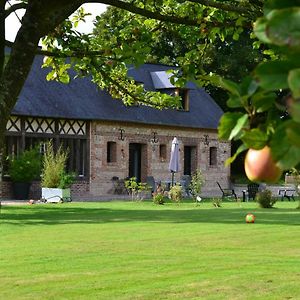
[{"x": 266, "y": 104}]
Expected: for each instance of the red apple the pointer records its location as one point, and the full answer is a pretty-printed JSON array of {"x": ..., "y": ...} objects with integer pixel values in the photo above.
[{"x": 260, "y": 166}]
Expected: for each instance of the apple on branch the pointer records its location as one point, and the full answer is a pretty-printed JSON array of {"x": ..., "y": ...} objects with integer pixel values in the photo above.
[{"x": 260, "y": 166}]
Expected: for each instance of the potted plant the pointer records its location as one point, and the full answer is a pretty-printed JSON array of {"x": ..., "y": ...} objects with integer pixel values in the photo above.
[
  {"x": 23, "y": 170},
  {"x": 56, "y": 181}
]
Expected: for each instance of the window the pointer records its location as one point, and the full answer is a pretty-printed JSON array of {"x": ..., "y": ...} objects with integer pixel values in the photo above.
[
  {"x": 162, "y": 152},
  {"x": 213, "y": 156},
  {"x": 77, "y": 158},
  {"x": 12, "y": 149},
  {"x": 25, "y": 133},
  {"x": 184, "y": 98},
  {"x": 111, "y": 152}
]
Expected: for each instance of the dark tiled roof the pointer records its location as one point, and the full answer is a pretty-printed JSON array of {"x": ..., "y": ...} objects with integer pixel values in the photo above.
[{"x": 81, "y": 99}]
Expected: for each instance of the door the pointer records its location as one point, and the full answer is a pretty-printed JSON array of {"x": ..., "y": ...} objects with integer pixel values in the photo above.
[
  {"x": 135, "y": 151},
  {"x": 187, "y": 160}
]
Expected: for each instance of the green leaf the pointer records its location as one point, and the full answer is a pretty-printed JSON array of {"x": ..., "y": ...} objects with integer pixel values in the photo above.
[
  {"x": 231, "y": 159},
  {"x": 227, "y": 123},
  {"x": 234, "y": 101},
  {"x": 284, "y": 152},
  {"x": 279, "y": 142},
  {"x": 290, "y": 159},
  {"x": 248, "y": 86},
  {"x": 293, "y": 133},
  {"x": 51, "y": 75},
  {"x": 260, "y": 30},
  {"x": 263, "y": 102},
  {"x": 283, "y": 27},
  {"x": 236, "y": 36},
  {"x": 252, "y": 88},
  {"x": 295, "y": 111},
  {"x": 279, "y": 4},
  {"x": 240, "y": 124},
  {"x": 255, "y": 138},
  {"x": 65, "y": 78},
  {"x": 230, "y": 86},
  {"x": 294, "y": 82},
  {"x": 272, "y": 75},
  {"x": 217, "y": 80}
]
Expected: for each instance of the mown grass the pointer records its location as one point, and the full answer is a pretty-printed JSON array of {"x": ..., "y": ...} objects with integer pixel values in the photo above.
[{"x": 126, "y": 250}]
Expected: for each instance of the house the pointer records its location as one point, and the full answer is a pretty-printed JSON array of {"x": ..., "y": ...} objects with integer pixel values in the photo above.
[{"x": 108, "y": 140}]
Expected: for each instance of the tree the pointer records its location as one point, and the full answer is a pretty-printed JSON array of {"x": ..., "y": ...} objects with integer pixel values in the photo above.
[
  {"x": 181, "y": 45},
  {"x": 263, "y": 117},
  {"x": 48, "y": 20}
]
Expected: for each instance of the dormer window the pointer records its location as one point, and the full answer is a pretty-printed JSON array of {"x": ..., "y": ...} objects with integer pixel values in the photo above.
[
  {"x": 161, "y": 82},
  {"x": 184, "y": 98}
]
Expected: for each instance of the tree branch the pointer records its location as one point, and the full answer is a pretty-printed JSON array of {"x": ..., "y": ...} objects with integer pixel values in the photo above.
[
  {"x": 122, "y": 88},
  {"x": 236, "y": 7},
  {"x": 129, "y": 6},
  {"x": 147, "y": 13},
  {"x": 14, "y": 8}
]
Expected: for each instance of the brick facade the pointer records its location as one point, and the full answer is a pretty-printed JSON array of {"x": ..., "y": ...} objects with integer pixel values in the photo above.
[
  {"x": 154, "y": 143},
  {"x": 102, "y": 172}
]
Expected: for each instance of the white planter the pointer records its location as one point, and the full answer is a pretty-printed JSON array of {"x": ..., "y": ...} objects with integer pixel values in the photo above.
[{"x": 56, "y": 195}]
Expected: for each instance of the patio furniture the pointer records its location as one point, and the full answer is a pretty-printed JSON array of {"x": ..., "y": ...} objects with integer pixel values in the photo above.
[
  {"x": 118, "y": 186},
  {"x": 227, "y": 193},
  {"x": 251, "y": 191},
  {"x": 185, "y": 183},
  {"x": 287, "y": 193},
  {"x": 151, "y": 182}
]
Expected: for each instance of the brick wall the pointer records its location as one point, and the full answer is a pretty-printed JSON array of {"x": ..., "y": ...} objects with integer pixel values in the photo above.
[
  {"x": 100, "y": 183},
  {"x": 5, "y": 190},
  {"x": 102, "y": 171},
  {"x": 80, "y": 189}
]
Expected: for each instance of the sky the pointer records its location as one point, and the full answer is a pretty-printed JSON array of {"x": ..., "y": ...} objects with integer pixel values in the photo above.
[{"x": 12, "y": 23}]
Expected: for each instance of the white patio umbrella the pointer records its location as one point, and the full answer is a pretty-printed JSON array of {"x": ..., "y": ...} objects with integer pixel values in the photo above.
[{"x": 174, "y": 159}]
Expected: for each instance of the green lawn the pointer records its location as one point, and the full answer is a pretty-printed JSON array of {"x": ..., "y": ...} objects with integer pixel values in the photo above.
[{"x": 126, "y": 250}]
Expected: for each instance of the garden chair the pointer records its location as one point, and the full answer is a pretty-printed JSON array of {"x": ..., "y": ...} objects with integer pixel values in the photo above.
[
  {"x": 118, "y": 185},
  {"x": 185, "y": 183},
  {"x": 250, "y": 193},
  {"x": 227, "y": 193},
  {"x": 151, "y": 182},
  {"x": 287, "y": 193}
]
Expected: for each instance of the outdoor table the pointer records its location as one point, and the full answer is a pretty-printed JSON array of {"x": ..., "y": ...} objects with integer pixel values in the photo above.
[{"x": 168, "y": 184}]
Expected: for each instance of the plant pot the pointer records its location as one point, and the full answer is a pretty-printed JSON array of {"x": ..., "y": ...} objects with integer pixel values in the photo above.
[
  {"x": 21, "y": 190},
  {"x": 56, "y": 195}
]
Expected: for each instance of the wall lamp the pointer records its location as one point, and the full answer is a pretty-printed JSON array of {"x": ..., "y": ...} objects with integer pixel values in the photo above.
[
  {"x": 122, "y": 134},
  {"x": 154, "y": 140},
  {"x": 206, "y": 140}
]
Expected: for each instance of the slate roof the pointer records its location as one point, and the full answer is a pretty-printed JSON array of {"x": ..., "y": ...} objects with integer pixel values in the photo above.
[{"x": 81, "y": 99}]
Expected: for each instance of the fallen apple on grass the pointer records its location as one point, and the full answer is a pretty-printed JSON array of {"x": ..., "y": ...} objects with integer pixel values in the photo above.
[{"x": 260, "y": 166}]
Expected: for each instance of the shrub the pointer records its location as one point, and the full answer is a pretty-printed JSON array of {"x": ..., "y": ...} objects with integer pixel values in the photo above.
[
  {"x": 196, "y": 184},
  {"x": 264, "y": 199},
  {"x": 53, "y": 173},
  {"x": 158, "y": 196},
  {"x": 136, "y": 189},
  {"x": 66, "y": 180},
  {"x": 175, "y": 193},
  {"x": 217, "y": 202},
  {"x": 26, "y": 167}
]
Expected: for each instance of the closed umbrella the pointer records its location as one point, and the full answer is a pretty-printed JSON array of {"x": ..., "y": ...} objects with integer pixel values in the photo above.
[{"x": 174, "y": 159}]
